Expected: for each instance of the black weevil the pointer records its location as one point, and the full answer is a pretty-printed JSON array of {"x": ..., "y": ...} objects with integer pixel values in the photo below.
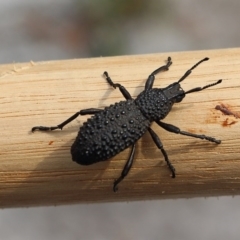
[{"x": 119, "y": 126}]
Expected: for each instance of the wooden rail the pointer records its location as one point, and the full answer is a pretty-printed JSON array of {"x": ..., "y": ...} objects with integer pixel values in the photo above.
[{"x": 36, "y": 168}]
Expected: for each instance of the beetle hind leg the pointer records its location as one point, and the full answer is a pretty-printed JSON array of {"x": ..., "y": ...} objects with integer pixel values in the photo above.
[{"x": 60, "y": 126}]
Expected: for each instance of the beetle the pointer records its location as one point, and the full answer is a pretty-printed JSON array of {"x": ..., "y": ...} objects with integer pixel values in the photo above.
[{"x": 119, "y": 126}]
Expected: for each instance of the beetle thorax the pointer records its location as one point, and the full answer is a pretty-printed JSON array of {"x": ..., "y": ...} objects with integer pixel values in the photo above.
[{"x": 154, "y": 104}]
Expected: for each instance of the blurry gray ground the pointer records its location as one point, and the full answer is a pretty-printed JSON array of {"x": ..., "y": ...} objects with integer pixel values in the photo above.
[{"x": 187, "y": 25}]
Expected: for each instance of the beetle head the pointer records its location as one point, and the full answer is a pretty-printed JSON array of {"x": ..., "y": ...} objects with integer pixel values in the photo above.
[{"x": 174, "y": 92}]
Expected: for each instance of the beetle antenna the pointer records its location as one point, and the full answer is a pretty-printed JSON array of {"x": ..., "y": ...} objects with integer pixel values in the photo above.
[
  {"x": 188, "y": 72},
  {"x": 201, "y": 88}
]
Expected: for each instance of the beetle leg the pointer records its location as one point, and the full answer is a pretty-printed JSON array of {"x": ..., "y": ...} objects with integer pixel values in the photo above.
[
  {"x": 60, "y": 126},
  {"x": 160, "y": 146},
  {"x": 151, "y": 78},
  {"x": 174, "y": 129},
  {"x": 126, "y": 168},
  {"x": 122, "y": 89}
]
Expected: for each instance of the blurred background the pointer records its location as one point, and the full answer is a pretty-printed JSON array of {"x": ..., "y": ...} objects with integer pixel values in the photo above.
[{"x": 61, "y": 29}]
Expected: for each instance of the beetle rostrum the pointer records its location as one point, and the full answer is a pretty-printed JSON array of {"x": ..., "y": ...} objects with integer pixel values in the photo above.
[{"x": 119, "y": 126}]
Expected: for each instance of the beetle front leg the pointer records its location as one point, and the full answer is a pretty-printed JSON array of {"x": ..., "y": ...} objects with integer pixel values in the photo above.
[
  {"x": 126, "y": 168},
  {"x": 151, "y": 78},
  {"x": 174, "y": 129},
  {"x": 60, "y": 126}
]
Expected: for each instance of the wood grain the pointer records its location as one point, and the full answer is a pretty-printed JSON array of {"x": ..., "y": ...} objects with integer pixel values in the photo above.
[{"x": 36, "y": 168}]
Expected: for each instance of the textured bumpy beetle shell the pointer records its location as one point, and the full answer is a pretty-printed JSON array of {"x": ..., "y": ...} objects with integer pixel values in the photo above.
[
  {"x": 154, "y": 104},
  {"x": 109, "y": 132}
]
